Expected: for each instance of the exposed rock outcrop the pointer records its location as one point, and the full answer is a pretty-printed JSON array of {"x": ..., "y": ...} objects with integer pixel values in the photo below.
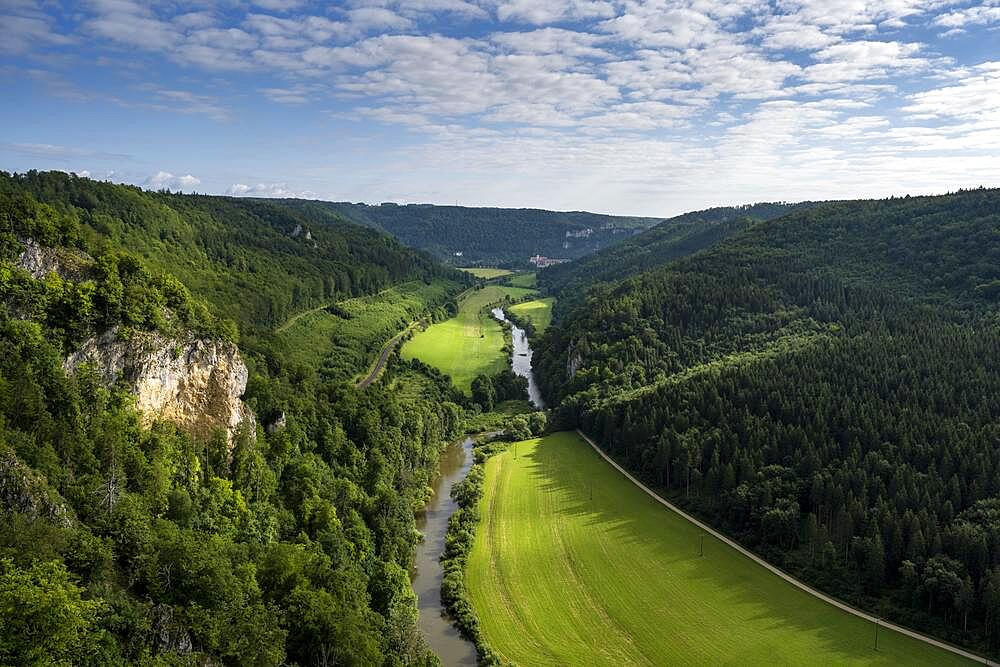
[
  {"x": 169, "y": 633},
  {"x": 40, "y": 261},
  {"x": 26, "y": 491},
  {"x": 574, "y": 359},
  {"x": 194, "y": 383}
]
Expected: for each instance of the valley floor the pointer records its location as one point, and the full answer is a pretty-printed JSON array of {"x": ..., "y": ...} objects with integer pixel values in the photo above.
[
  {"x": 469, "y": 344},
  {"x": 573, "y": 564}
]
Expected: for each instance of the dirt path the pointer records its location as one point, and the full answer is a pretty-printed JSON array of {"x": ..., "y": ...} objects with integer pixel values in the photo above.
[{"x": 787, "y": 577}]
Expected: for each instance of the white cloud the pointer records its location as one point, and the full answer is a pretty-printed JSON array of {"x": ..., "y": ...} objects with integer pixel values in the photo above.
[
  {"x": 540, "y": 12},
  {"x": 267, "y": 190},
  {"x": 164, "y": 179},
  {"x": 27, "y": 30},
  {"x": 185, "y": 102},
  {"x": 986, "y": 13},
  {"x": 637, "y": 100}
]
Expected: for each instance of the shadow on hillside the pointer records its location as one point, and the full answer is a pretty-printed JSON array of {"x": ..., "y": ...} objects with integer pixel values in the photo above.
[{"x": 569, "y": 467}]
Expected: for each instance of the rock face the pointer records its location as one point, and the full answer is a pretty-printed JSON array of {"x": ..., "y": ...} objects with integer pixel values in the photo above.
[
  {"x": 26, "y": 491},
  {"x": 40, "y": 261},
  {"x": 196, "y": 383},
  {"x": 574, "y": 359}
]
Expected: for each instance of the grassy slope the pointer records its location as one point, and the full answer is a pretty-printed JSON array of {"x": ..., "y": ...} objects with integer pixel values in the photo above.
[
  {"x": 468, "y": 344},
  {"x": 350, "y": 345},
  {"x": 486, "y": 273},
  {"x": 539, "y": 311},
  {"x": 557, "y": 578},
  {"x": 525, "y": 280}
]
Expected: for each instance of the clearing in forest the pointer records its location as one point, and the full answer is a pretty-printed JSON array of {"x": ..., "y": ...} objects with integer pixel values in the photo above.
[
  {"x": 469, "y": 344},
  {"x": 537, "y": 311},
  {"x": 575, "y": 565},
  {"x": 486, "y": 272}
]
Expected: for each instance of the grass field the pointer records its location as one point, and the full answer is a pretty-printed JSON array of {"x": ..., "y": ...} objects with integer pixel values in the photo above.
[
  {"x": 558, "y": 578},
  {"x": 524, "y": 280},
  {"x": 468, "y": 344},
  {"x": 538, "y": 311},
  {"x": 349, "y": 346},
  {"x": 486, "y": 273}
]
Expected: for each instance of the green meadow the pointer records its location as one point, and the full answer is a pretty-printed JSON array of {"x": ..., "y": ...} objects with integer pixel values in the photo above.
[
  {"x": 524, "y": 280},
  {"x": 347, "y": 337},
  {"x": 537, "y": 311},
  {"x": 469, "y": 344},
  {"x": 574, "y": 565},
  {"x": 487, "y": 272}
]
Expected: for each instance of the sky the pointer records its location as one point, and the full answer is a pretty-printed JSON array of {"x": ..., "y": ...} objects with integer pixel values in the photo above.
[{"x": 638, "y": 107}]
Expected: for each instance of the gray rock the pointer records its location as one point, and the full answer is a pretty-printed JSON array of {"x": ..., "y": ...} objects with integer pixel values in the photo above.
[{"x": 195, "y": 383}]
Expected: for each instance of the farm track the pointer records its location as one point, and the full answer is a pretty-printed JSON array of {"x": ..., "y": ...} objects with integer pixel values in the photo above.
[{"x": 787, "y": 577}]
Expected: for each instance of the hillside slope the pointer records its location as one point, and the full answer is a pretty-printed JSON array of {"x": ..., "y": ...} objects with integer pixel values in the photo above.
[
  {"x": 257, "y": 262},
  {"x": 130, "y": 537},
  {"x": 823, "y": 386},
  {"x": 669, "y": 240},
  {"x": 484, "y": 235}
]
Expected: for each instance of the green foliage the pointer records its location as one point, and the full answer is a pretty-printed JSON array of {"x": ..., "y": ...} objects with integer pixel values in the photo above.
[
  {"x": 821, "y": 386},
  {"x": 46, "y": 620},
  {"x": 671, "y": 239},
  {"x": 241, "y": 255},
  {"x": 484, "y": 236},
  {"x": 146, "y": 546},
  {"x": 569, "y": 545}
]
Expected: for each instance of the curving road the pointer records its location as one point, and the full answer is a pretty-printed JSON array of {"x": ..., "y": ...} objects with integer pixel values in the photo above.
[
  {"x": 787, "y": 577},
  {"x": 383, "y": 357}
]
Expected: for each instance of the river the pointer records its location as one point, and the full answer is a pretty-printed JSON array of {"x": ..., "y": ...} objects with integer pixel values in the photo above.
[
  {"x": 442, "y": 637},
  {"x": 521, "y": 359}
]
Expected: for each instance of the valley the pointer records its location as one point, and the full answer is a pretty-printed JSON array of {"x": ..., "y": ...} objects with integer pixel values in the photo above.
[
  {"x": 470, "y": 343},
  {"x": 733, "y": 367},
  {"x": 573, "y": 564},
  {"x": 441, "y": 333}
]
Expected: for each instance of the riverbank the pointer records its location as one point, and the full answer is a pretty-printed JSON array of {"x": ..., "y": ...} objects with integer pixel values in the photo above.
[{"x": 427, "y": 573}]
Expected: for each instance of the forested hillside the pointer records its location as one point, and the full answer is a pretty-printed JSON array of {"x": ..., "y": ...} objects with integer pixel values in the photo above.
[
  {"x": 484, "y": 236},
  {"x": 124, "y": 544},
  {"x": 256, "y": 261},
  {"x": 671, "y": 239},
  {"x": 824, "y": 387}
]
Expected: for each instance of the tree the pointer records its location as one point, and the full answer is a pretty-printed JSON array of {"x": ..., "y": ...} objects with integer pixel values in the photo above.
[
  {"x": 483, "y": 392},
  {"x": 46, "y": 619}
]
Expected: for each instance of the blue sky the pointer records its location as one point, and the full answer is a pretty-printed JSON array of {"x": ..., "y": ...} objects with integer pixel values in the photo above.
[{"x": 621, "y": 106}]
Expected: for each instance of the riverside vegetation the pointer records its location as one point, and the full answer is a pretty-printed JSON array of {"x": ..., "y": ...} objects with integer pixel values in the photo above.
[{"x": 121, "y": 544}]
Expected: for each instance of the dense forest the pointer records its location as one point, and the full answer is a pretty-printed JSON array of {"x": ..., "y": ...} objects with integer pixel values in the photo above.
[
  {"x": 121, "y": 544},
  {"x": 484, "y": 236},
  {"x": 256, "y": 261},
  {"x": 671, "y": 239},
  {"x": 824, "y": 387}
]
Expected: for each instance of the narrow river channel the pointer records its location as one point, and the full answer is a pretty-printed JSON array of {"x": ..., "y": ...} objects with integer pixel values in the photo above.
[
  {"x": 441, "y": 635},
  {"x": 521, "y": 359},
  {"x": 437, "y": 629}
]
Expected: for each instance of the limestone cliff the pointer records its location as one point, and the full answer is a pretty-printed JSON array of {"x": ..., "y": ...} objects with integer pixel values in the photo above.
[
  {"x": 194, "y": 383},
  {"x": 26, "y": 491},
  {"x": 39, "y": 261}
]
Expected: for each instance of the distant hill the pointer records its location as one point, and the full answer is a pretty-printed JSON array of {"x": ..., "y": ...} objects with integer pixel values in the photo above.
[
  {"x": 823, "y": 386},
  {"x": 256, "y": 261},
  {"x": 673, "y": 238},
  {"x": 487, "y": 236}
]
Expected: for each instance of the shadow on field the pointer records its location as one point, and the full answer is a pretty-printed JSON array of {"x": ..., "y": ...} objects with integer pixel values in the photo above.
[{"x": 745, "y": 606}]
